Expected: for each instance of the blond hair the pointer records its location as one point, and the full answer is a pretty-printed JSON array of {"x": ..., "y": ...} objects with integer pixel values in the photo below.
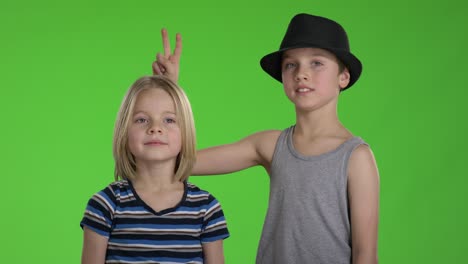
[{"x": 125, "y": 166}]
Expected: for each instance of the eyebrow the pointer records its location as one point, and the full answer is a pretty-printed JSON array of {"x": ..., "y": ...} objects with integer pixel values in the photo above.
[{"x": 146, "y": 113}]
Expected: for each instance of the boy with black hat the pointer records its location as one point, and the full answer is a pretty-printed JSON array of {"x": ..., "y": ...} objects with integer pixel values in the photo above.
[{"x": 324, "y": 182}]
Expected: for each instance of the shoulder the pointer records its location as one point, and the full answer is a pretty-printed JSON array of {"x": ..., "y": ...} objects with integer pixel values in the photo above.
[
  {"x": 362, "y": 154},
  {"x": 201, "y": 199},
  {"x": 192, "y": 188},
  {"x": 362, "y": 163},
  {"x": 262, "y": 136},
  {"x": 194, "y": 193},
  {"x": 117, "y": 187},
  {"x": 266, "y": 136},
  {"x": 114, "y": 192},
  {"x": 265, "y": 143},
  {"x": 101, "y": 208}
]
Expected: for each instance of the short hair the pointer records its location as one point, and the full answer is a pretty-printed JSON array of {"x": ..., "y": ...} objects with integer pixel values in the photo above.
[{"x": 125, "y": 164}]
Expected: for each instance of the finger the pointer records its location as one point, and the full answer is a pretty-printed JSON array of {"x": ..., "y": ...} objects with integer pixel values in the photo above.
[
  {"x": 161, "y": 60},
  {"x": 158, "y": 67},
  {"x": 156, "y": 70},
  {"x": 166, "y": 43},
  {"x": 178, "y": 47},
  {"x": 162, "y": 69}
]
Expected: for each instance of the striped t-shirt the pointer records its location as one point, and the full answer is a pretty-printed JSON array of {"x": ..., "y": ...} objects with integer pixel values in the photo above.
[{"x": 138, "y": 234}]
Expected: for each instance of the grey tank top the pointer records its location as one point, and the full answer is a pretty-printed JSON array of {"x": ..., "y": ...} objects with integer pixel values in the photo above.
[{"x": 308, "y": 217}]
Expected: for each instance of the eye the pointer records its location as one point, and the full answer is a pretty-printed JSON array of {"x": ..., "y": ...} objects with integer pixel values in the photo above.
[
  {"x": 141, "y": 120},
  {"x": 289, "y": 65},
  {"x": 169, "y": 120},
  {"x": 317, "y": 63}
]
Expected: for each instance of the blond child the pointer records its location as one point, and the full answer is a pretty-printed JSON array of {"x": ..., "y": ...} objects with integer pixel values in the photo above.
[
  {"x": 324, "y": 182},
  {"x": 151, "y": 214}
]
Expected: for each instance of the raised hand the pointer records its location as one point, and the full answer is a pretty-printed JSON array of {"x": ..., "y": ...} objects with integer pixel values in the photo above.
[{"x": 168, "y": 64}]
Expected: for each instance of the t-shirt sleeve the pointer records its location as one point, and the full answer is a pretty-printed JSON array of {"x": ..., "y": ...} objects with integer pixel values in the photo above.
[
  {"x": 99, "y": 212},
  {"x": 214, "y": 224}
]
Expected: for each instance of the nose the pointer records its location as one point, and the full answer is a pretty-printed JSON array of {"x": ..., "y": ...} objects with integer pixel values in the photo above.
[
  {"x": 155, "y": 128},
  {"x": 301, "y": 74}
]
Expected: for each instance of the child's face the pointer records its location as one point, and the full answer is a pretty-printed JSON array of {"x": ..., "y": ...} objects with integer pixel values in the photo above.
[
  {"x": 311, "y": 77},
  {"x": 153, "y": 133}
]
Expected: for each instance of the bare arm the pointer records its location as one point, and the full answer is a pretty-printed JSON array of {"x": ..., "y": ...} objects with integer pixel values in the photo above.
[
  {"x": 94, "y": 247},
  {"x": 363, "y": 188},
  {"x": 213, "y": 252},
  {"x": 256, "y": 149}
]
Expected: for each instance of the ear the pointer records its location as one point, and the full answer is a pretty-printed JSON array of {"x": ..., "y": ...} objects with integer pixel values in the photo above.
[{"x": 344, "y": 78}]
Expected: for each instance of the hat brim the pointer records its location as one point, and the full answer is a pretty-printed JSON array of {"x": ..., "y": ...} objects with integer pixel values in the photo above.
[{"x": 271, "y": 63}]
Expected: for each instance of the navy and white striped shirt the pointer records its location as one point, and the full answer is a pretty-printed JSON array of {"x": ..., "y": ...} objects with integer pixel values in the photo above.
[{"x": 138, "y": 234}]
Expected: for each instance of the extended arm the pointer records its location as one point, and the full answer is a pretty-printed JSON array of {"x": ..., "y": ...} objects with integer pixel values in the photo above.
[
  {"x": 363, "y": 188},
  {"x": 94, "y": 247},
  {"x": 256, "y": 149}
]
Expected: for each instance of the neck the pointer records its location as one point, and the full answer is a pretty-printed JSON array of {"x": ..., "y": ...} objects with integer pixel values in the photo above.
[
  {"x": 155, "y": 176},
  {"x": 318, "y": 122}
]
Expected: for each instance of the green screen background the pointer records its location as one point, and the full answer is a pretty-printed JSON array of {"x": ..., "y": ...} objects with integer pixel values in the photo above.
[{"x": 65, "y": 67}]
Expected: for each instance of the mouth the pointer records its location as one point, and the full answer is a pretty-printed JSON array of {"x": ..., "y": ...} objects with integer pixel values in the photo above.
[
  {"x": 304, "y": 90},
  {"x": 155, "y": 143}
]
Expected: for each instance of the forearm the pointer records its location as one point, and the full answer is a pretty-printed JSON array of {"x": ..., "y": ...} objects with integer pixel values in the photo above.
[{"x": 365, "y": 256}]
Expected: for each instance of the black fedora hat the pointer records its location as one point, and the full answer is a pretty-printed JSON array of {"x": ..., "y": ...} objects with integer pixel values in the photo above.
[{"x": 309, "y": 31}]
